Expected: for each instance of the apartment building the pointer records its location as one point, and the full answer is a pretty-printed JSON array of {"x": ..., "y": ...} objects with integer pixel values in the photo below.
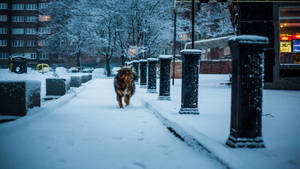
[{"x": 20, "y": 26}]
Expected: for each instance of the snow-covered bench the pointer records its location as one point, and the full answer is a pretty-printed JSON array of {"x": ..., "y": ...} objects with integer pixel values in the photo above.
[
  {"x": 57, "y": 86},
  {"x": 16, "y": 97}
]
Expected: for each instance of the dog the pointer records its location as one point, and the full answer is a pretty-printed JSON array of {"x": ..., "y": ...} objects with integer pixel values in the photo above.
[{"x": 124, "y": 85}]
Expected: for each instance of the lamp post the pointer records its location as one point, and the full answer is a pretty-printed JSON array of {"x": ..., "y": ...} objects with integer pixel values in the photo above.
[{"x": 174, "y": 43}]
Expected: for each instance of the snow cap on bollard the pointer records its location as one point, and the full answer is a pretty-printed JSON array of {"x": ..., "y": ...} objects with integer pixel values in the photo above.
[
  {"x": 165, "y": 56},
  {"x": 191, "y": 51},
  {"x": 249, "y": 39}
]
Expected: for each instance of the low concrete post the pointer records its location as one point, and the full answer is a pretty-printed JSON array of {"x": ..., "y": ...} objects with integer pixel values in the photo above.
[
  {"x": 56, "y": 86},
  {"x": 152, "y": 64},
  {"x": 135, "y": 64},
  {"x": 16, "y": 97},
  {"x": 164, "y": 78},
  {"x": 190, "y": 81},
  {"x": 143, "y": 73},
  {"x": 75, "y": 81},
  {"x": 247, "y": 90}
]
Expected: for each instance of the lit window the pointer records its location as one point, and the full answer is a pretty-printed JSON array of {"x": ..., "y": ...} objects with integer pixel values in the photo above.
[
  {"x": 17, "y": 43},
  {"x": 17, "y": 31},
  {"x": 3, "y": 18},
  {"x": 3, "y": 43},
  {"x": 3, "y": 55},
  {"x": 18, "y": 19},
  {"x": 42, "y": 43},
  {"x": 3, "y": 5},
  {"x": 18, "y": 6},
  {"x": 3, "y": 30},
  {"x": 44, "y": 18},
  {"x": 30, "y": 31},
  {"x": 30, "y": 6}
]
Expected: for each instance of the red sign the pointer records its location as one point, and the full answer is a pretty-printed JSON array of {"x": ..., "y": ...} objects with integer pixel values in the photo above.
[
  {"x": 286, "y": 38},
  {"x": 296, "y": 36}
]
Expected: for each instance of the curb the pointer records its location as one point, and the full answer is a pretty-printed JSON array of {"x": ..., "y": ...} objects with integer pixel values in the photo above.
[{"x": 230, "y": 162}]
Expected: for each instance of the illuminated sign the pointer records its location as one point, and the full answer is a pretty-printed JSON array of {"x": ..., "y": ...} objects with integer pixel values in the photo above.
[
  {"x": 296, "y": 46},
  {"x": 284, "y": 38},
  {"x": 296, "y": 36},
  {"x": 285, "y": 46}
]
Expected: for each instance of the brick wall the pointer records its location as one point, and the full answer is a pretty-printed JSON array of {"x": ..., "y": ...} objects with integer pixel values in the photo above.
[{"x": 215, "y": 67}]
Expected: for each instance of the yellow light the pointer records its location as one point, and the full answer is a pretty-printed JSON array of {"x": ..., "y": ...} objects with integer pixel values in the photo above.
[{"x": 285, "y": 24}]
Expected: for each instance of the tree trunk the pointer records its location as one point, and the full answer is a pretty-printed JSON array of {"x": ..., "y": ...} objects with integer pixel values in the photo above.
[
  {"x": 78, "y": 61},
  {"x": 108, "y": 71}
]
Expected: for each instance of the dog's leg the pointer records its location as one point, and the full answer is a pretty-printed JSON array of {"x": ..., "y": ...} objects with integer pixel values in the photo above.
[
  {"x": 119, "y": 99},
  {"x": 127, "y": 100}
]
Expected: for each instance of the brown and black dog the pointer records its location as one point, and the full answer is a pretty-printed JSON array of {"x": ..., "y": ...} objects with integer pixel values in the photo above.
[{"x": 124, "y": 85}]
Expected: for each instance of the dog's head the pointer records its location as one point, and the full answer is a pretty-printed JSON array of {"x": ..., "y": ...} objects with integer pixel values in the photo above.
[{"x": 126, "y": 74}]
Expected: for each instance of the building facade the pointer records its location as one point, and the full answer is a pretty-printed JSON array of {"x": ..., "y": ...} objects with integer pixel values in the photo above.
[{"x": 20, "y": 26}]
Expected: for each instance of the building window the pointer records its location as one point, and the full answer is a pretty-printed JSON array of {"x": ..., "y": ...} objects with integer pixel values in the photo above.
[
  {"x": 42, "y": 5},
  {"x": 3, "y": 30},
  {"x": 30, "y": 55},
  {"x": 3, "y": 18},
  {"x": 17, "y": 43},
  {"x": 31, "y": 7},
  {"x": 3, "y": 43},
  {"x": 30, "y": 43},
  {"x": 17, "y": 31},
  {"x": 30, "y": 19},
  {"x": 17, "y": 6},
  {"x": 44, "y": 18},
  {"x": 18, "y": 19},
  {"x": 42, "y": 43},
  {"x": 44, "y": 30},
  {"x": 3, "y": 5},
  {"x": 43, "y": 56},
  {"x": 3, "y": 55},
  {"x": 30, "y": 31}
]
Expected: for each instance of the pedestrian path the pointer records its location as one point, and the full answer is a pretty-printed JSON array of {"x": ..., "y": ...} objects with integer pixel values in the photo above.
[{"x": 91, "y": 132}]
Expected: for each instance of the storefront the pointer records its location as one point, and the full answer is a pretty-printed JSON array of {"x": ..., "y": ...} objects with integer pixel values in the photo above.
[{"x": 290, "y": 49}]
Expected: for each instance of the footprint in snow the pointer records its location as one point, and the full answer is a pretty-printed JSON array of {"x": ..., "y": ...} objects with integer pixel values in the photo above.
[
  {"x": 139, "y": 165},
  {"x": 117, "y": 138}
]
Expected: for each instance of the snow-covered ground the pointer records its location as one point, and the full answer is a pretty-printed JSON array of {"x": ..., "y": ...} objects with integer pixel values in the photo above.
[
  {"x": 90, "y": 131},
  {"x": 86, "y": 129},
  {"x": 280, "y": 126}
]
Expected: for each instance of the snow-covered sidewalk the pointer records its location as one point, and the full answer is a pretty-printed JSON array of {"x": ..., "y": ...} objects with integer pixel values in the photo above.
[
  {"x": 89, "y": 131},
  {"x": 280, "y": 128}
]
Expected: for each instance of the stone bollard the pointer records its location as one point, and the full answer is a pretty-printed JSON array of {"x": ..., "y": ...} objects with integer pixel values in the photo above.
[
  {"x": 75, "y": 81},
  {"x": 57, "y": 86},
  {"x": 164, "y": 82},
  {"x": 143, "y": 73},
  {"x": 135, "y": 65},
  {"x": 152, "y": 64},
  {"x": 16, "y": 97},
  {"x": 190, "y": 80},
  {"x": 247, "y": 90}
]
